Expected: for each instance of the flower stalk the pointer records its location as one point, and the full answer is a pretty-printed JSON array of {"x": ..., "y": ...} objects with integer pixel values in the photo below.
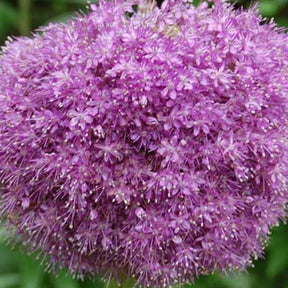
[{"x": 25, "y": 17}]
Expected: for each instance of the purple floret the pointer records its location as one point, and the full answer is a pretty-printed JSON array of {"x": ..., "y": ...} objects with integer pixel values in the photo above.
[{"x": 146, "y": 142}]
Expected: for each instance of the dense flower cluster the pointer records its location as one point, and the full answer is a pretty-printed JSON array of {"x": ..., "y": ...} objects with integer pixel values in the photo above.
[{"x": 144, "y": 141}]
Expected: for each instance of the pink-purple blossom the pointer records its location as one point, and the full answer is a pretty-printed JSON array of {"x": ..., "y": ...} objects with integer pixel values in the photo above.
[{"x": 146, "y": 142}]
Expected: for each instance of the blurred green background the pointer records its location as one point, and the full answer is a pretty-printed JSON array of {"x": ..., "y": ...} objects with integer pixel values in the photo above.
[{"x": 18, "y": 270}]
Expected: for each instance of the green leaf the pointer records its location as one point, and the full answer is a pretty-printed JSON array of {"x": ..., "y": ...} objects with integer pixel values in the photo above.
[
  {"x": 84, "y": 2},
  {"x": 8, "y": 259},
  {"x": 238, "y": 281},
  {"x": 63, "y": 280},
  {"x": 32, "y": 273},
  {"x": 283, "y": 21},
  {"x": 269, "y": 8},
  {"x": 8, "y": 18},
  {"x": 211, "y": 281},
  {"x": 9, "y": 280},
  {"x": 96, "y": 283},
  {"x": 64, "y": 18},
  {"x": 277, "y": 260}
]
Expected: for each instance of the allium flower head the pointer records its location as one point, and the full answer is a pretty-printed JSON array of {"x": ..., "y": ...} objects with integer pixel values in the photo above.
[{"x": 144, "y": 141}]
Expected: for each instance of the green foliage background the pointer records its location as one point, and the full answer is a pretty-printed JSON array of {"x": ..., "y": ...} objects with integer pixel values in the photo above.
[{"x": 17, "y": 270}]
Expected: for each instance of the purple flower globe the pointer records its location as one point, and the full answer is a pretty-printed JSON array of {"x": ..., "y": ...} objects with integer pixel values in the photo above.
[{"x": 146, "y": 142}]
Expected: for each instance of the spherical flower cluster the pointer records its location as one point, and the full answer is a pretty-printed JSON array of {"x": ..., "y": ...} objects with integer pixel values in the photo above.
[{"x": 146, "y": 142}]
